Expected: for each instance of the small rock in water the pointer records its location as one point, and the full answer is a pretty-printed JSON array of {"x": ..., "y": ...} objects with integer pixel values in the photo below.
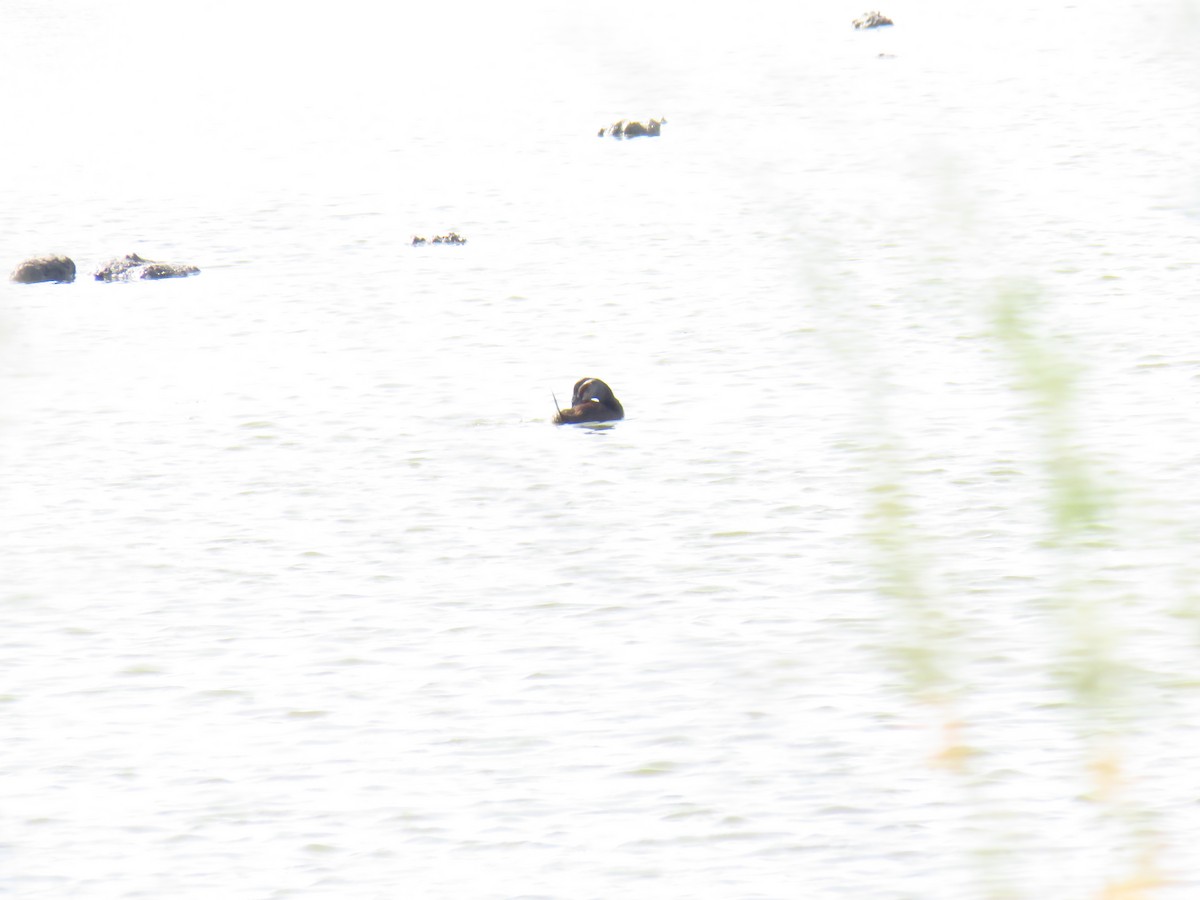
[
  {"x": 873, "y": 19},
  {"x": 624, "y": 129},
  {"x": 132, "y": 267},
  {"x": 452, "y": 238},
  {"x": 45, "y": 268}
]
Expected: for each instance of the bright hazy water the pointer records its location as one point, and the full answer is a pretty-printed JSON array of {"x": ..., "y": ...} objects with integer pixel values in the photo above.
[{"x": 885, "y": 588}]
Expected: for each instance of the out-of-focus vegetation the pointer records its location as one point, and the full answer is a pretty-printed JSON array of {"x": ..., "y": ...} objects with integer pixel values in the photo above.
[{"x": 933, "y": 644}]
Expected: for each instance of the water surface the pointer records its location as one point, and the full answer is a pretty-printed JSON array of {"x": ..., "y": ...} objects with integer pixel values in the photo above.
[{"x": 884, "y": 588}]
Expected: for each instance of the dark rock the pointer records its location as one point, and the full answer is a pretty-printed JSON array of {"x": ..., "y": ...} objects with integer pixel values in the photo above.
[
  {"x": 132, "y": 267},
  {"x": 156, "y": 270},
  {"x": 45, "y": 268},
  {"x": 452, "y": 238},
  {"x": 873, "y": 19},
  {"x": 118, "y": 269},
  {"x": 623, "y": 129}
]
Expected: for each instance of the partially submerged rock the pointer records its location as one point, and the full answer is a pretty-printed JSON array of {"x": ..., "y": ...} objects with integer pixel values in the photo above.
[
  {"x": 452, "y": 238},
  {"x": 873, "y": 19},
  {"x": 156, "y": 270},
  {"x": 132, "y": 267},
  {"x": 624, "y": 129},
  {"x": 45, "y": 268}
]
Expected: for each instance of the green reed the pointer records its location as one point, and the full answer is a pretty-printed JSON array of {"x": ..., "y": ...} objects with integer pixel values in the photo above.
[
  {"x": 1099, "y": 683},
  {"x": 932, "y": 648},
  {"x": 1080, "y": 507}
]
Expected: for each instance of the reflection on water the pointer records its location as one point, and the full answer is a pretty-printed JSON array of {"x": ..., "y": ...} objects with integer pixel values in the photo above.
[{"x": 884, "y": 588}]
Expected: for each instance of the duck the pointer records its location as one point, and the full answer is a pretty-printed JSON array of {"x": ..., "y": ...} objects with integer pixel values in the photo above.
[{"x": 591, "y": 401}]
